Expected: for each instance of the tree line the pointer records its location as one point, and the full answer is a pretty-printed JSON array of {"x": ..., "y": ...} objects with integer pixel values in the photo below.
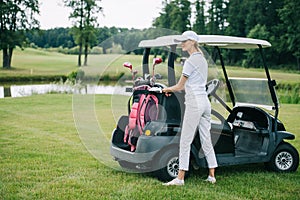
[
  {"x": 273, "y": 20},
  {"x": 106, "y": 39}
]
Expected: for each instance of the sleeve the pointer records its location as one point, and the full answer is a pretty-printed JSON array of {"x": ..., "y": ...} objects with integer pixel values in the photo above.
[{"x": 188, "y": 68}]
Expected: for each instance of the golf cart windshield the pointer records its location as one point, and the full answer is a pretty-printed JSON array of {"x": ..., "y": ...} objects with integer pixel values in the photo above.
[{"x": 252, "y": 91}]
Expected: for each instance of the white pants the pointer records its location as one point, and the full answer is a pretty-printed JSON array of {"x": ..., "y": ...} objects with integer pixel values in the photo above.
[{"x": 197, "y": 115}]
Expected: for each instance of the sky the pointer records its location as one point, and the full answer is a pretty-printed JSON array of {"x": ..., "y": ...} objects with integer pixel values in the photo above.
[{"x": 119, "y": 13}]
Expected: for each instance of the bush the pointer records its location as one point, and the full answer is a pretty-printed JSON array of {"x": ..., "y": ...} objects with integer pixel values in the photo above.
[
  {"x": 96, "y": 50},
  {"x": 289, "y": 92},
  {"x": 76, "y": 75}
]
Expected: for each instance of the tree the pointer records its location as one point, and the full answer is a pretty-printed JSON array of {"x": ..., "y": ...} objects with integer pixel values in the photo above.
[
  {"x": 92, "y": 8},
  {"x": 265, "y": 13},
  {"x": 253, "y": 58},
  {"x": 85, "y": 19},
  {"x": 176, "y": 15},
  {"x": 290, "y": 30},
  {"x": 243, "y": 18},
  {"x": 199, "y": 26},
  {"x": 236, "y": 27},
  {"x": 17, "y": 16},
  {"x": 236, "y": 18},
  {"x": 217, "y": 17},
  {"x": 57, "y": 37},
  {"x": 164, "y": 20},
  {"x": 77, "y": 30},
  {"x": 271, "y": 20},
  {"x": 104, "y": 37},
  {"x": 181, "y": 15}
]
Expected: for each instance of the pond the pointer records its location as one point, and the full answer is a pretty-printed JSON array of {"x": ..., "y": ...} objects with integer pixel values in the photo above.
[{"x": 28, "y": 90}]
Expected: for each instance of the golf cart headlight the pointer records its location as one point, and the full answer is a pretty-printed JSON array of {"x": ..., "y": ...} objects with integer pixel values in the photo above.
[{"x": 147, "y": 132}]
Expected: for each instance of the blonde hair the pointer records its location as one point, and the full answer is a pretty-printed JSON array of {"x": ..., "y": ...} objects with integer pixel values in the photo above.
[{"x": 196, "y": 46}]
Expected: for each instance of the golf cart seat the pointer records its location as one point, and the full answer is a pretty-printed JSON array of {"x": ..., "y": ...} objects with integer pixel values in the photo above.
[
  {"x": 252, "y": 118},
  {"x": 251, "y": 127}
]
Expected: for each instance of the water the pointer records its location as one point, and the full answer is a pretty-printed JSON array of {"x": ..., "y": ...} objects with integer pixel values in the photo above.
[
  {"x": 28, "y": 90},
  {"x": 1, "y": 92}
]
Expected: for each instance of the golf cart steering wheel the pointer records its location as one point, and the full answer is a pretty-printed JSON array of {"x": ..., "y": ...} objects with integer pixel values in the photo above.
[{"x": 212, "y": 86}]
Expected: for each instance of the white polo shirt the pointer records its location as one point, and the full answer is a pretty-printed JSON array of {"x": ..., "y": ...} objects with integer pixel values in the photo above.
[{"x": 196, "y": 69}]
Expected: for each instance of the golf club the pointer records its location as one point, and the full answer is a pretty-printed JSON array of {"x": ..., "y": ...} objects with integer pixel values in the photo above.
[{"x": 156, "y": 61}]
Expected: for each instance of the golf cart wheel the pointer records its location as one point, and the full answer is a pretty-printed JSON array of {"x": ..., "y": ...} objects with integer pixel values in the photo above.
[
  {"x": 169, "y": 165},
  {"x": 284, "y": 159}
]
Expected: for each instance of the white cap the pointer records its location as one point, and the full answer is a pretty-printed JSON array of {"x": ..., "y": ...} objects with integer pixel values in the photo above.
[{"x": 187, "y": 35}]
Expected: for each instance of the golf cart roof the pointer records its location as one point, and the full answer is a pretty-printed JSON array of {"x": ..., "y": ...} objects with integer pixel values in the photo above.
[{"x": 228, "y": 42}]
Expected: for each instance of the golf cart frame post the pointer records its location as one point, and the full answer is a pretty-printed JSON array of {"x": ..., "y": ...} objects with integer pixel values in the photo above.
[
  {"x": 171, "y": 60},
  {"x": 271, "y": 83}
]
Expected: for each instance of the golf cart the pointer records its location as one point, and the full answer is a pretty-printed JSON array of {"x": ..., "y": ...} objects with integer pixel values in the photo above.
[{"x": 248, "y": 134}]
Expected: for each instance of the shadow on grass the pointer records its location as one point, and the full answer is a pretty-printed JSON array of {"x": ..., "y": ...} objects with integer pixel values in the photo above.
[{"x": 202, "y": 172}]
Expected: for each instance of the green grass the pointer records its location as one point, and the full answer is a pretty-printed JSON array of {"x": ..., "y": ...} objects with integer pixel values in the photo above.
[
  {"x": 34, "y": 62},
  {"x": 280, "y": 76},
  {"x": 30, "y": 62},
  {"x": 42, "y": 157}
]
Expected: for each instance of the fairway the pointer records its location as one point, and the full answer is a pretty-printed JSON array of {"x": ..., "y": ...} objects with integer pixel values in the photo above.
[
  {"x": 42, "y": 157},
  {"x": 35, "y": 62}
]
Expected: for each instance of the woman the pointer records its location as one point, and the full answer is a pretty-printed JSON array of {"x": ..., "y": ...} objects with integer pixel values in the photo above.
[{"x": 197, "y": 107}]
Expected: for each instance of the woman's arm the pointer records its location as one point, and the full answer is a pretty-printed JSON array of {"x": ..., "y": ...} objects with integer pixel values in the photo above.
[{"x": 178, "y": 87}]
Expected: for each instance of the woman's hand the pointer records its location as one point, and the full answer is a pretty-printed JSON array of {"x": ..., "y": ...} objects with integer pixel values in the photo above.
[
  {"x": 176, "y": 88},
  {"x": 167, "y": 91}
]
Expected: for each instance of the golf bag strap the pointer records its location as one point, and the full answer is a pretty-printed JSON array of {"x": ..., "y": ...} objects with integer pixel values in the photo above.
[
  {"x": 128, "y": 104},
  {"x": 142, "y": 89},
  {"x": 143, "y": 110},
  {"x": 133, "y": 117}
]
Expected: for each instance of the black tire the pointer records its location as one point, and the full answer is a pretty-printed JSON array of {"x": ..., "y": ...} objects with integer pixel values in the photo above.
[
  {"x": 168, "y": 163},
  {"x": 284, "y": 159}
]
